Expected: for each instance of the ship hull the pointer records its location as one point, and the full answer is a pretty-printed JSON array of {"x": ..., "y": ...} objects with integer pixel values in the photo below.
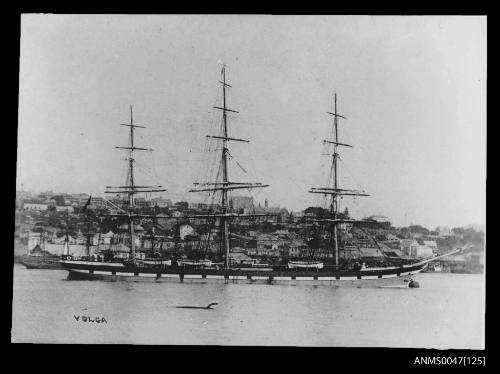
[
  {"x": 40, "y": 264},
  {"x": 350, "y": 278}
]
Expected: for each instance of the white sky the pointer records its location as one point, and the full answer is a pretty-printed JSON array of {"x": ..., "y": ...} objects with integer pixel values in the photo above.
[{"x": 413, "y": 90}]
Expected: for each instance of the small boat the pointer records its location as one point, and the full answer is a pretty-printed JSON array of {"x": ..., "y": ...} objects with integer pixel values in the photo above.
[
  {"x": 252, "y": 264},
  {"x": 39, "y": 258},
  {"x": 195, "y": 263},
  {"x": 156, "y": 262},
  {"x": 305, "y": 265}
]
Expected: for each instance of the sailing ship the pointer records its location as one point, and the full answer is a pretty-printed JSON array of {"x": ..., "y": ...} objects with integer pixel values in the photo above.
[
  {"x": 39, "y": 257},
  {"x": 199, "y": 268}
]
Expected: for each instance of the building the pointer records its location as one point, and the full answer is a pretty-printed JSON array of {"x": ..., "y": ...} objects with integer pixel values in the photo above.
[
  {"x": 106, "y": 238},
  {"x": 296, "y": 248},
  {"x": 65, "y": 208},
  {"x": 277, "y": 214},
  {"x": 79, "y": 198},
  {"x": 141, "y": 202},
  {"x": 284, "y": 234},
  {"x": 475, "y": 261},
  {"x": 208, "y": 206},
  {"x": 422, "y": 250},
  {"x": 185, "y": 230},
  {"x": 35, "y": 205},
  {"x": 444, "y": 231},
  {"x": 431, "y": 244},
  {"x": 46, "y": 195},
  {"x": 240, "y": 203},
  {"x": 160, "y": 202},
  {"x": 370, "y": 254},
  {"x": 375, "y": 222},
  {"x": 392, "y": 237},
  {"x": 409, "y": 247}
]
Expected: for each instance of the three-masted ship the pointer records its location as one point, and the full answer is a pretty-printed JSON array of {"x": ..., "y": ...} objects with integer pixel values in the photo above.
[{"x": 204, "y": 269}]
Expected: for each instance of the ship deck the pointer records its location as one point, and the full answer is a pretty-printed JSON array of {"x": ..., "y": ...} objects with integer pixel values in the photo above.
[{"x": 80, "y": 270}]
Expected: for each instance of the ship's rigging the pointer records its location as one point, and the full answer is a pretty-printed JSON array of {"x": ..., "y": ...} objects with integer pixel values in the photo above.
[
  {"x": 130, "y": 189},
  {"x": 332, "y": 190},
  {"x": 222, "y": 185}
]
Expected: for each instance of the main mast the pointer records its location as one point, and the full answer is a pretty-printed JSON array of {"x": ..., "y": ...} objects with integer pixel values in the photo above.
[
  {"x": 225, "y": 186},
  {"x": 334, "y": 205},
  {"x": 335, "y": 192},
  {"x": 225, "y": 203}
]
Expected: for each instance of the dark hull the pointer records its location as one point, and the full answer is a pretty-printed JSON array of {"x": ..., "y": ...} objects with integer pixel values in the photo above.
[{"x": 373, "y": 277}]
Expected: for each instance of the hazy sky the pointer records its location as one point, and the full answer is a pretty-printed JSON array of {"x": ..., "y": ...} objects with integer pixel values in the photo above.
[{"x": 413, "y": 90}]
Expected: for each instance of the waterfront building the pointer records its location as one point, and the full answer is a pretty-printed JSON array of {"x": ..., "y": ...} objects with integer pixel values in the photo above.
[
  {"x": 409, "y": 247},
  {"x": 35, "y": 205},
  {"x": 241, "y": 203},
  {"x": 278, "y": 214},
  {"x": 160, "y": 202},
  {"x": 65, "y": 208}
]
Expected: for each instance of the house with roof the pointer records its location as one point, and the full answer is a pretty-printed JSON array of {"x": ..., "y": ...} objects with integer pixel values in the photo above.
[
  {"x": 62, "y": 239},
  {"x": 409, "y": 247},
  {"x": 296, "y": 248},
  {"x": 161, "y": 202},
  {"x": 65, "y": 208},
  {"x": 444, "y": 231},
  {"x": 185, "y": 230},
  {"x": 241, "y": 203},
  {"x": 370, "y": 254},
  {"x": 422, "y": 250},
  {"x": 35, "y": 205},
  {"x": 282, "y": 233},
  {"x": 142, "y": 202},
  {"x": 177, "y": 214},
  {"x": 267, "y": 243},
  {"x": 96, "y": 203},
  {"x": 278, "y": 214},
  {"x": 100, "y": 238}
]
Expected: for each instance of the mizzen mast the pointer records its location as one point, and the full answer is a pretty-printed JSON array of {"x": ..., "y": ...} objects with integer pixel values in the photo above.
[
  {"x": 225, "y": 186},
  {"x": 333, "y": 190}
]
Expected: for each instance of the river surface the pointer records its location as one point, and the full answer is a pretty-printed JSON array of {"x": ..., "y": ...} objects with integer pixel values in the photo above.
[{"x": 447, "y": 311}]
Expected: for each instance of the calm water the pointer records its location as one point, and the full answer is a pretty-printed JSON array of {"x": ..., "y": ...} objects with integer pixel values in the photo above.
[{"x": 446, "y": 312}]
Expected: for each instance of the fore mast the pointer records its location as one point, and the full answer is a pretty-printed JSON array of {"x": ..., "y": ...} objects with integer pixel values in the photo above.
[
  {"x": 130, "y": 189},
  {"x": 225, "y": 185},
  {"x": 332, "y": 189}
]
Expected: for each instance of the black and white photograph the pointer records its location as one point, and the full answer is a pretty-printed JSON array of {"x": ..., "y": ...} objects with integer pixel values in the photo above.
[{"x": 251, "y": 180}]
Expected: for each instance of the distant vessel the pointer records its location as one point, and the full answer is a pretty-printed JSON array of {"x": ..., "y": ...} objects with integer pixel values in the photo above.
[
  {"x": 39, "y": 258},
  {"x": 201, "y": 268}
]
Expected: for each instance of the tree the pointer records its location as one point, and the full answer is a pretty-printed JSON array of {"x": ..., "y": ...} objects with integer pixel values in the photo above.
[
  {"x": 418, "y": 229},
  {"x": 317, "y": 211},
  {"x": 59, "y": 200}
]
